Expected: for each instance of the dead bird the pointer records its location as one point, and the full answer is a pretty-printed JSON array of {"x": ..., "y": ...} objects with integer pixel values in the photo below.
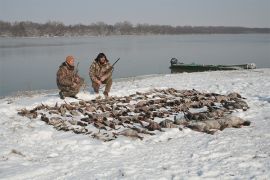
[
  {"x": 215, "y": 113},
  {"x": 74, "y": 113},
  {"x": 79, "y": 130},
  {"x": 222, "y": 98},
  {"x": 167, "y": 124},
  {"x": 100, "y": 125},
  {"x": 207, "y": 102},
  {"x": 208, "y": 126},
  {"x": 44, "y": 118},
  {"x": 14, "y": 151},
  {"x": 87, "y": 119},
  {"x": 129, "y": 133},
  {"x": 152, "y": 126},
  {"x": 195, "y": 104},
  {"x": 125, "y": 119},
  {"x": 141, "y": 103},
  {"x": 101, "y": 137},
  {"x": 79, "y": 123},
  {"x": 233, "y": 121},
  {"x": 195, "y": 116},
  {"x": 69, "y": 107},
  {"x": 158, "y": 114},
  {"x": 197, "y": 126},
  {"x": 242, "y": 104},
  {"x": 236, "y": 105},
  {"x": 29, "y": 114},
  {"x": 62, "y": 110},
  {"x": 143, "y": 131},
  {"x": 180, "y": 121},
  {"x": 54, "y": 112},
  {"x": 90, "y": 109},
  {"x": 81, "y": 102},
  {"x": 55, "y": 121},
  {"x": 234, "y": 95}
]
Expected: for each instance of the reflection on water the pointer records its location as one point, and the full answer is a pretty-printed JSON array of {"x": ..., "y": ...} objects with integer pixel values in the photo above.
[{"x": 31, "y": 63}]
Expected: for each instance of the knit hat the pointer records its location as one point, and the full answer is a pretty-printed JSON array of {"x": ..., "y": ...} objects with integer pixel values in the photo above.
[{"x": 69, "y": 59}]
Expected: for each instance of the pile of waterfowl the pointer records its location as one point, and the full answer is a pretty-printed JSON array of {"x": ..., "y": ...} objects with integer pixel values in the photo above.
[{"x": 141, "y": 114}]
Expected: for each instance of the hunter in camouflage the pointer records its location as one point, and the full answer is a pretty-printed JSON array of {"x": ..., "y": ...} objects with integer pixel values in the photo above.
[
  {"x": 68, "y": 80},
  {"x": 100, "y": 72}
]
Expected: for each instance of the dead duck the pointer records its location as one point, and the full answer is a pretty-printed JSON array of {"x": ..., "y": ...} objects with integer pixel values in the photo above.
[
  {"x": 208, "y": 126},
  {"x": 130, "y": 133},
  {"x": 167, "y": 124},
  {"x": 152, "y": 126},
  {"x": 32, "y": 114},
  {"x": 233, "y": 121}
]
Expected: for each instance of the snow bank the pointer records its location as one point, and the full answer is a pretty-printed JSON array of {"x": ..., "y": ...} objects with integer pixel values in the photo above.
[{"x": 30, "y": 149}]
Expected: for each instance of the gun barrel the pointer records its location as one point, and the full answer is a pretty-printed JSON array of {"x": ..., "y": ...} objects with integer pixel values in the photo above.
[
  {"x": 77, "y": 68},
  {"x": 115, "y": 62}
]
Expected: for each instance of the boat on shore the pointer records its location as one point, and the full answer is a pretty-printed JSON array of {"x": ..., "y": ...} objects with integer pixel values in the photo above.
[{"x": 178, "y": 67}]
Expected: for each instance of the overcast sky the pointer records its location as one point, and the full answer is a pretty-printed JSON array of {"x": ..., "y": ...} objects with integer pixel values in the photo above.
[{"x": 248, "y": 13}]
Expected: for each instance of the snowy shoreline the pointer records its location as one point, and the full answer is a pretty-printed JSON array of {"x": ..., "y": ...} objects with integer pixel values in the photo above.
[{"x": 30, "y": 149}]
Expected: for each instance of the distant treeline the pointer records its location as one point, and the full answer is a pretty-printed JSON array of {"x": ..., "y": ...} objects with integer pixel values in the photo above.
[{"x": 31, "y": 29}]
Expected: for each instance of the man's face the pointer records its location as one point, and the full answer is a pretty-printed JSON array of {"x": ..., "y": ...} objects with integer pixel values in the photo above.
[
  {"x": 102, "y": 60},
  {"x": 71, "y": 62}
]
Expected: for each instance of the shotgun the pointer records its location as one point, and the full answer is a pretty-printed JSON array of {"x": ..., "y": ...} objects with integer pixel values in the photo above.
[{"x": 110, "y": 69}]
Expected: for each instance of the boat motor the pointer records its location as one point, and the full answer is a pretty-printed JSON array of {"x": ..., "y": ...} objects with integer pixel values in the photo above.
[{"x": 174, "y": 61}]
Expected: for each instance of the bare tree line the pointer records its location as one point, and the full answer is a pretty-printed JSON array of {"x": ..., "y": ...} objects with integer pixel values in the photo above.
[{"x": 52, "y": 28}]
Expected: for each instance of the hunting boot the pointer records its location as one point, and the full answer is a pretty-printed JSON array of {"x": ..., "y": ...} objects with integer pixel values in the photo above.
[
  {"x": 61, "y": 95},
  {"x": 97, "y": 96},
  {"x": 106, "y": 94},
  {"x": 70, "y": 93},
  {"x": 75, "y": 97}
]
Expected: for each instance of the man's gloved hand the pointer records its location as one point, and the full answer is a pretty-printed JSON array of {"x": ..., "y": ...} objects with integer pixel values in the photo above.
[
  {"x": 77, "y": 79},
  {"x": 102, "y": 78},
  {"x": 110, "y": 68},
  {"x": 74, "y": 85},
  {"x": 98, "y": 82}
]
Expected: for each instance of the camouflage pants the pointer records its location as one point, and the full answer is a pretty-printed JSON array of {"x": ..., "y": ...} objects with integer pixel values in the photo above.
[
  {"x": 71, "y": 91},
  {"x": 108, "y": 86}
]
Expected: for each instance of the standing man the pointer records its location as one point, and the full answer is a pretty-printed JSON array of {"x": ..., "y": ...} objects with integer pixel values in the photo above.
[
  {"x": 100, "y": 72},
  {"x": 68, "y": 80}
]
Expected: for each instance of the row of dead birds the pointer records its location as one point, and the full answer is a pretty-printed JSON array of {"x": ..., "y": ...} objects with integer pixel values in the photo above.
[{"x": 139, "y": 113}]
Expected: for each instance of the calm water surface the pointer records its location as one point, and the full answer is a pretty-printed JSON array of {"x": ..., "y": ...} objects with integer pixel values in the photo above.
[{"x": 31, "y": 63}]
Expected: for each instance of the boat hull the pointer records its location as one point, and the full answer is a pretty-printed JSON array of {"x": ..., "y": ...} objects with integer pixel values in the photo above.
[{"x": 178, "y": 68}]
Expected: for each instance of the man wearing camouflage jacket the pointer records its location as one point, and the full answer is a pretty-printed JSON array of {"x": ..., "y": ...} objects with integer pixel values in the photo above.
[
  {"x": 100, "y": 72},
  {"x": 68, "y": 80}
]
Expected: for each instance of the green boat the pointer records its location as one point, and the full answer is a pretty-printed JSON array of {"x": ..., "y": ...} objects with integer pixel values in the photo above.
[{"x": 178, "y": 67}]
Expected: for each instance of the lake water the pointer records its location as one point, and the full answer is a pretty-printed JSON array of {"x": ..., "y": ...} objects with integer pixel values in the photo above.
[{"x": 31, "y": 63}]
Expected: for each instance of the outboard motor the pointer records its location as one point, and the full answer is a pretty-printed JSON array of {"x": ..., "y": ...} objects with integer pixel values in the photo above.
[
  {"x": 174, "y": 61},
  {"x": 251, "y": 66}
]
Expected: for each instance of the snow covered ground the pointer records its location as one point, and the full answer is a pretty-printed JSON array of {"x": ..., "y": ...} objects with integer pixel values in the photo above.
[{"x": 31, "y": 149}]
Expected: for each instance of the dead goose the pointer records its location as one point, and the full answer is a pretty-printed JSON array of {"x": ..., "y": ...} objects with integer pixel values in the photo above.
[
  {"x": 152, "y": 126},
  {"x": 233, "y": 121},
  {"x": 129, "y": 133},
  {"x": 180, "y": 121},
  {"x": 195, "y": 116},
  {"x": 208, "y": 126},
  {"x": 234, "y": 95},
  {"x": 29, "y": 114},
  {"x": 167, "y": 124}
]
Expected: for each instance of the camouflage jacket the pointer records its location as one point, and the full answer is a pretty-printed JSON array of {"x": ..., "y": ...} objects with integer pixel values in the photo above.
[
  {"x": 66, "y": 76},
  {"x": 97, "y": 70}
]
